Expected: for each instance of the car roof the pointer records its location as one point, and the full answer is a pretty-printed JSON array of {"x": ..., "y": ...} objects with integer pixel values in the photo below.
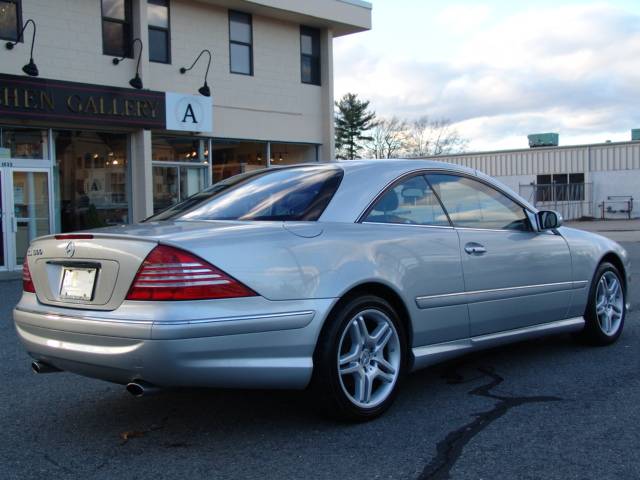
[
  {"x": 397, "y": 163},
  {"x": 365, "y": 179}
]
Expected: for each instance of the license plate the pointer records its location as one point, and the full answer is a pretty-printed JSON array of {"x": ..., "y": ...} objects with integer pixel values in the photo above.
[{"x": 77, "y": 283}]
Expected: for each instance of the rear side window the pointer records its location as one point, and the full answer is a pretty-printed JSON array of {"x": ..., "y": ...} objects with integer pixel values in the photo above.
[
  {"x": 473, "y": 204},
  {"x": 410, "y": 202},
  {"x": 287, "y": 194}
]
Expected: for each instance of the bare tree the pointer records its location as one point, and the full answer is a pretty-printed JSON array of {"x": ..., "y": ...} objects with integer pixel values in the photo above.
[
  {"x": 434, "y": 137},
  {"x": 389, "y": 138}
]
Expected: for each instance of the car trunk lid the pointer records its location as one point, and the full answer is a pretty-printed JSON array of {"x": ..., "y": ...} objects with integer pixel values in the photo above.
[
  {"x": 116, "y": 254},
  {"x": 89, "y": 272}
]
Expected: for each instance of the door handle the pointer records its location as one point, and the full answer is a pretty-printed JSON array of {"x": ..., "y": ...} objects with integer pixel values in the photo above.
[{"x": 475, "y": 249}]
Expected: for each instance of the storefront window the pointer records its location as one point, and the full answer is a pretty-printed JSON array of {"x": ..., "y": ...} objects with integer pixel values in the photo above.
[
  {"x": 291, "y": 153},
  {"x": 92, "y": 176},
  {"x": 25, "y": 143},
  {"x": 165, "y": 187},
  {"x": 192, "y": 180},
  {"x": 179, "y": 149},
  {"x": 180, "y": 169},
  {"x": 233, "y": 157}
]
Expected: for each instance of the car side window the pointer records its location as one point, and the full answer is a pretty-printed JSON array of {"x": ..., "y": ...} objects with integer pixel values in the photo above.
[
  {"x": 410, "y": 202},
  {"x": 473, "y": 204}
]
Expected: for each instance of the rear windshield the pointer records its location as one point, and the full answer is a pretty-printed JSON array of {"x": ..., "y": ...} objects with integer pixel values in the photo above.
[{"x": 285, "y": 194}]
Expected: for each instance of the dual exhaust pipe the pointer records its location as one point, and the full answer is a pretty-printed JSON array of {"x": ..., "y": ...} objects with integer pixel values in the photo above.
[
  {"x": 42, "y": 367},
  {"x": 141, "y": 389},
  {"x": 137, "y": 388}
]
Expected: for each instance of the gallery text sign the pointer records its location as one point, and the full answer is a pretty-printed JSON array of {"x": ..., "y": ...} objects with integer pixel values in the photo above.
[
  {"x": 191, "y": 113},
  {"x": 55, "y": 101},
  {"x": 40, "y": 99}
]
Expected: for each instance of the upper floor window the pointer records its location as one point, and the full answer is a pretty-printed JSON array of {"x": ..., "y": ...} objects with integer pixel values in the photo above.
[
  {"x": 240, "y": 43},
  {"x": 409, "y": 202},
  {"x": 473, "y": 204},
  {"x": 310, "y": 55},
  {"x": 159, "y": 38},
  {"x": 10, "y": 19},
  {"x": 116, "y": 28}
]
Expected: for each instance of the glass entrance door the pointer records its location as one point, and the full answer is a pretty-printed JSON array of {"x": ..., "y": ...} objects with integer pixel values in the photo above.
[{"x": 29, "y": 212}]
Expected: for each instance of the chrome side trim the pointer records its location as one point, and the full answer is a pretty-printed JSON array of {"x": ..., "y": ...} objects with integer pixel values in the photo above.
[
  {"x": 431, "y": 354},
  {"x": 216, "y": 327},
  {"x": 504, "y": 230},
  {"x": 70, "y": 316},
  {"x": 491, "y": 339},
  {"x": 475, "y": 296},
  {"x": 241, "y": 317},
  {"x": 409, "y": 225}
]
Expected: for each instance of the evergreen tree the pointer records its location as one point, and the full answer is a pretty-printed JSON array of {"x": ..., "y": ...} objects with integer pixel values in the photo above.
[{"x": 352, "y": 120}]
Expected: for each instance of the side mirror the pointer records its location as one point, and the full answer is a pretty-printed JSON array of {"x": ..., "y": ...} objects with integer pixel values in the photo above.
[{"x": 548, "y": 219}]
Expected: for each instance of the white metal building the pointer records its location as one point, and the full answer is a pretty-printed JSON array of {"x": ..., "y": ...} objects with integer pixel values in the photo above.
[
  {"x": 87, "y": 142},
  {"x": 599, "y": 180}
]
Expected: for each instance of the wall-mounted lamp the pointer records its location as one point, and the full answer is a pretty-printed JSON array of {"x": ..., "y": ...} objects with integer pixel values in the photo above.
[
  {"x": 30, "y": 68},
  {"x": 135, "y": 82},
  {"x": 204, "y": 89}
]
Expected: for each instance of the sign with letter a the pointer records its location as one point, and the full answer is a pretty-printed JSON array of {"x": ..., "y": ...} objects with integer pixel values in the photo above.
[{"x": 189, "y": 113}]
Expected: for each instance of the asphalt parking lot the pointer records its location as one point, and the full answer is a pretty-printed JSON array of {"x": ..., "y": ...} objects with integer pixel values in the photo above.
[{"x": 541, "y": 409}]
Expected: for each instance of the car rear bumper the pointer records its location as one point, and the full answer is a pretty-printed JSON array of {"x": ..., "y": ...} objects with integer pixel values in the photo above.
[{"x": 248, "y": 343}]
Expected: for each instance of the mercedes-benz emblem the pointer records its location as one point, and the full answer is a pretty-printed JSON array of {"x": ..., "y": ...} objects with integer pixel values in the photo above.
[{"x": 70, "y": 249}]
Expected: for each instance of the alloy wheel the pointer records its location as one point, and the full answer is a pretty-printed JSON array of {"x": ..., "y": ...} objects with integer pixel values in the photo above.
[
  {"x": 369, "y": 358},
  {"x": 609, "y": 303}
]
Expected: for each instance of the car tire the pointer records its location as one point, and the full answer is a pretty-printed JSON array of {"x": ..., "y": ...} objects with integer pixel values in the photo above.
[
  {"x": 360, "y": 358},
  {"x": 606, "y": 307}
]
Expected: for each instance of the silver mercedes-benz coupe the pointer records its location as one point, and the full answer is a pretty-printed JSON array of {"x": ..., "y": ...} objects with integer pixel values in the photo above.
[{"x": 341, "y": 276}]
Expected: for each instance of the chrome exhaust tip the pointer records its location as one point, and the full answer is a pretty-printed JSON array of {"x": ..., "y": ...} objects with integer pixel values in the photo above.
[
  {"x": 141, "y": 389},
  {"x": 41, "y": 367}
]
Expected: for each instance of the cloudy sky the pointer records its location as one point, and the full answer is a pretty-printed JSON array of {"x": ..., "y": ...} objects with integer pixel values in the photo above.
[{"x": 501, "y": 69}]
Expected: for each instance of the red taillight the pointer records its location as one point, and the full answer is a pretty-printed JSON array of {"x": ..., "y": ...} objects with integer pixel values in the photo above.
[
  {"x": 172, "y": 274},
  {"x": 74, "y": 236},
  {"x": 27, "y": 282}
]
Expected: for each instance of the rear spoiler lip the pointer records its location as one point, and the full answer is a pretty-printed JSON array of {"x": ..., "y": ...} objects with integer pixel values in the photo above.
[{"x": 99, "y": 235}]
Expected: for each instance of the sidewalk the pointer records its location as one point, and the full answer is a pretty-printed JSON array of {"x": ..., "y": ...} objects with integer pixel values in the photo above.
[{"x": 618, "y": 230}]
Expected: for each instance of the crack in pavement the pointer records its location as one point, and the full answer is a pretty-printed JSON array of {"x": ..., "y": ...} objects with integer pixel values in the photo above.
[
  {"x": 449, "y": 450},
  {"x": 56, "y": 464}
]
